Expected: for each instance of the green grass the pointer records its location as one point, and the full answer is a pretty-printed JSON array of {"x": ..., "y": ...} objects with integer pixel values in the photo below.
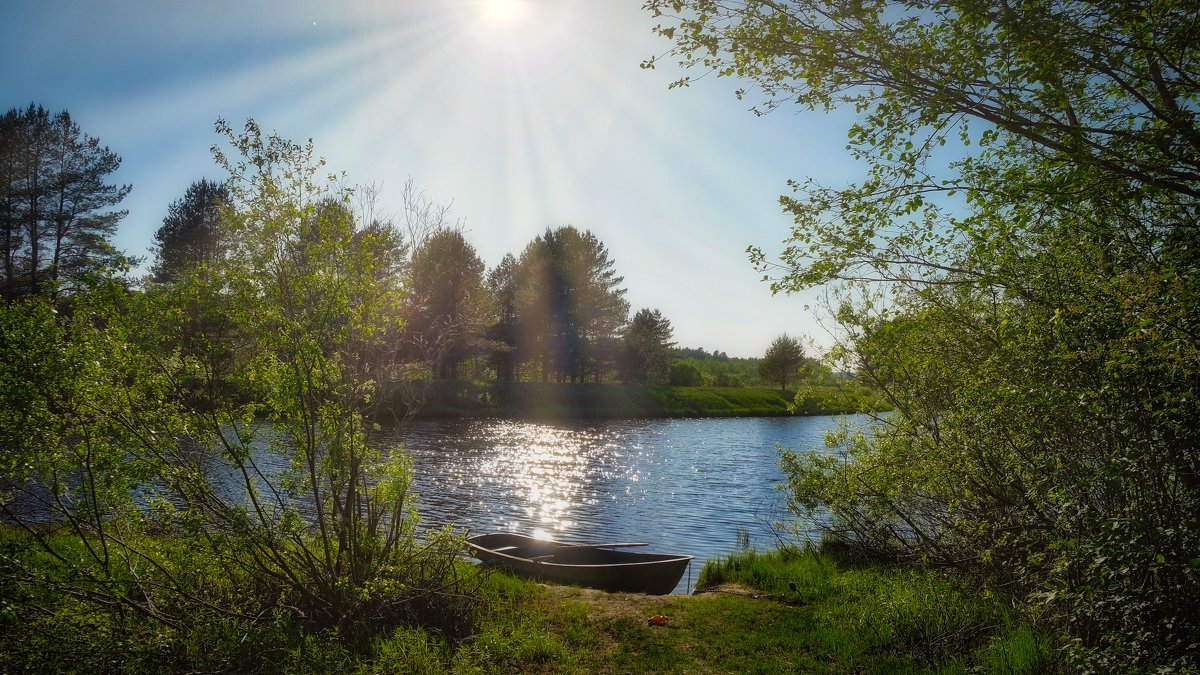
[
  {"x": 884, "y": 618},
  {"x": 774, "y": 573},
  {"x": 776, "y": 612},
  {"x": 839, "y": 619}
]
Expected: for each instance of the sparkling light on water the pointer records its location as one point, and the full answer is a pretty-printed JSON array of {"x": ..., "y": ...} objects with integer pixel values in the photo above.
[{"x": 683, "y": 486}]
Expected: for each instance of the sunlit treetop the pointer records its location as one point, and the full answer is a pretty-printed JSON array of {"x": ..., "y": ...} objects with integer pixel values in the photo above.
[{"x": 970, "y": 107}]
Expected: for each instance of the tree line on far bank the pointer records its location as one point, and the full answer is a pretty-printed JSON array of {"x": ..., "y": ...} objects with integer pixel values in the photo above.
[{"x": 554, "y": 312}]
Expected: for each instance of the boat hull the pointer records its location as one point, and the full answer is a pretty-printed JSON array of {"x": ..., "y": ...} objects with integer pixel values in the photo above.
[{"x": 580, "y": 565}]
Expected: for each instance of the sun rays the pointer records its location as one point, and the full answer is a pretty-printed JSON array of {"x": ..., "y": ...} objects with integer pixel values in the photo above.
[
  {"x": 524, "y": 114},
  {"x": 503, "y": 13}
]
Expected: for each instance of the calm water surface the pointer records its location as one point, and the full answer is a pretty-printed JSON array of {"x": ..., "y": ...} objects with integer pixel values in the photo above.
[{"x": 683, "y": 486}]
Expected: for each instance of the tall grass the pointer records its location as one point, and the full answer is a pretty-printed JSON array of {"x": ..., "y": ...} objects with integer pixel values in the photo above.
[
  {"x": 775, "y": 573},
  {"x": 916, "y": 616}
]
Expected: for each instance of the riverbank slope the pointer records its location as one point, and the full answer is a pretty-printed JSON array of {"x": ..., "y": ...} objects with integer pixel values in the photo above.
[{"x": 790, "y": 612}]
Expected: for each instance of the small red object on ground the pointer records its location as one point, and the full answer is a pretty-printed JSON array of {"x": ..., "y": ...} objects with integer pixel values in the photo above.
[{"x": 658, "y": 620}]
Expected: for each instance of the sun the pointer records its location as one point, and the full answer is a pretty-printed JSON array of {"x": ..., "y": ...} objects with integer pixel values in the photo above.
[{"x": 503, "y": 13}]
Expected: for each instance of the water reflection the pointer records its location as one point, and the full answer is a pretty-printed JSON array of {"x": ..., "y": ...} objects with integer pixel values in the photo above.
[
  {"x": 506, "y": 475},
  {"x": 685, "y": 486}
]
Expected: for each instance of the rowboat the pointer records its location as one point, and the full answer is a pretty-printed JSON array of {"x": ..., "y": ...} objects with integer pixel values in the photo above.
[{"x": 592, "y": 565}]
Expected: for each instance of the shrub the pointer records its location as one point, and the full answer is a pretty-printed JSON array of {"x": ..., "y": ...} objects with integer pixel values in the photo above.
[{"x": 684, "y": 374}]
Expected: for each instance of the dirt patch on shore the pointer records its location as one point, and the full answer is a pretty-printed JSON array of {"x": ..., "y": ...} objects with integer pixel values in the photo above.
[
  {"x": 738, "y": 590},
  {"x": 606, "y": 606}
]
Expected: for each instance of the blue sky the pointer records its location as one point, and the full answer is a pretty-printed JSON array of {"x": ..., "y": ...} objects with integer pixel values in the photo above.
[{"x": 519, "y": 114}]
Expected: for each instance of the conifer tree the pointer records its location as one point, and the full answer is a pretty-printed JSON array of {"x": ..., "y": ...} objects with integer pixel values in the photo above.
[{"x": 55, "y": 206}]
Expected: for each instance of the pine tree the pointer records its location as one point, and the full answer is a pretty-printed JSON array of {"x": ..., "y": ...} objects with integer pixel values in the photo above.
[
  {"x": 191, "y": 231},
  {"x": 647, "y": 347},
  {"x": 54, "y": 202},
  {"x": 571, "y": 305},
  {"x": 782, "y": 361}
]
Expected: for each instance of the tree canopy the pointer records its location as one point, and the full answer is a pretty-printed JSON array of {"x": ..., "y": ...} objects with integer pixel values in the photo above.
[
  {"x": 155, "y": 486},
  {"x": 1086, "y": 108},
  {"x": 447, "y": 302},
  {"x": 571, "y": 305},
  {"x": 782, "y": 361},
  {"x": 1030, "y": 200},
  {"x": 191, "y": 233},
  {"x": 647, "y": 347},
  {"x": 502, "y": 332},
  {"x": 56, "y": 214}
]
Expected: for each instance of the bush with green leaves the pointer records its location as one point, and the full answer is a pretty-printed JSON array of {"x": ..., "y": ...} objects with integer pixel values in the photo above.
[
  {"x": 684, "y": 374},
  {"x": 1018, "y": 273},
  {"x": 126, "y": 449}
]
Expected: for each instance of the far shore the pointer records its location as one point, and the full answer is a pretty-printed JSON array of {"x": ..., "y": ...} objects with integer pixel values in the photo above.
[{"x": 552, "y": 400}]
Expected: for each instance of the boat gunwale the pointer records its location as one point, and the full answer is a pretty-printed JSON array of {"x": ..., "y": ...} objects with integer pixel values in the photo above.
[
  {"x": 629, "y": 573},
  {"x": 666, "y": 557}
]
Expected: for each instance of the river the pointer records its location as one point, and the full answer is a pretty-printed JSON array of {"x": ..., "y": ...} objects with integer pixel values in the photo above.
[{"x": 680, "y": 485}]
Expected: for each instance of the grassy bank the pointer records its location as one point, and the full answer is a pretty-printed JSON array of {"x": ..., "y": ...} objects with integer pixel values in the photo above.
[
  {"x": 882, "y": 618},
  {"x": 539, "y": 400},
  {"x": 770, "y": 613},
  {"x": 775, "y": 612}
]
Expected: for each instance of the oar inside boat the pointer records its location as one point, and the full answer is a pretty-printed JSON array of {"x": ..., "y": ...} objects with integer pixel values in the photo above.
[{"x": 620, "y": 545}]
